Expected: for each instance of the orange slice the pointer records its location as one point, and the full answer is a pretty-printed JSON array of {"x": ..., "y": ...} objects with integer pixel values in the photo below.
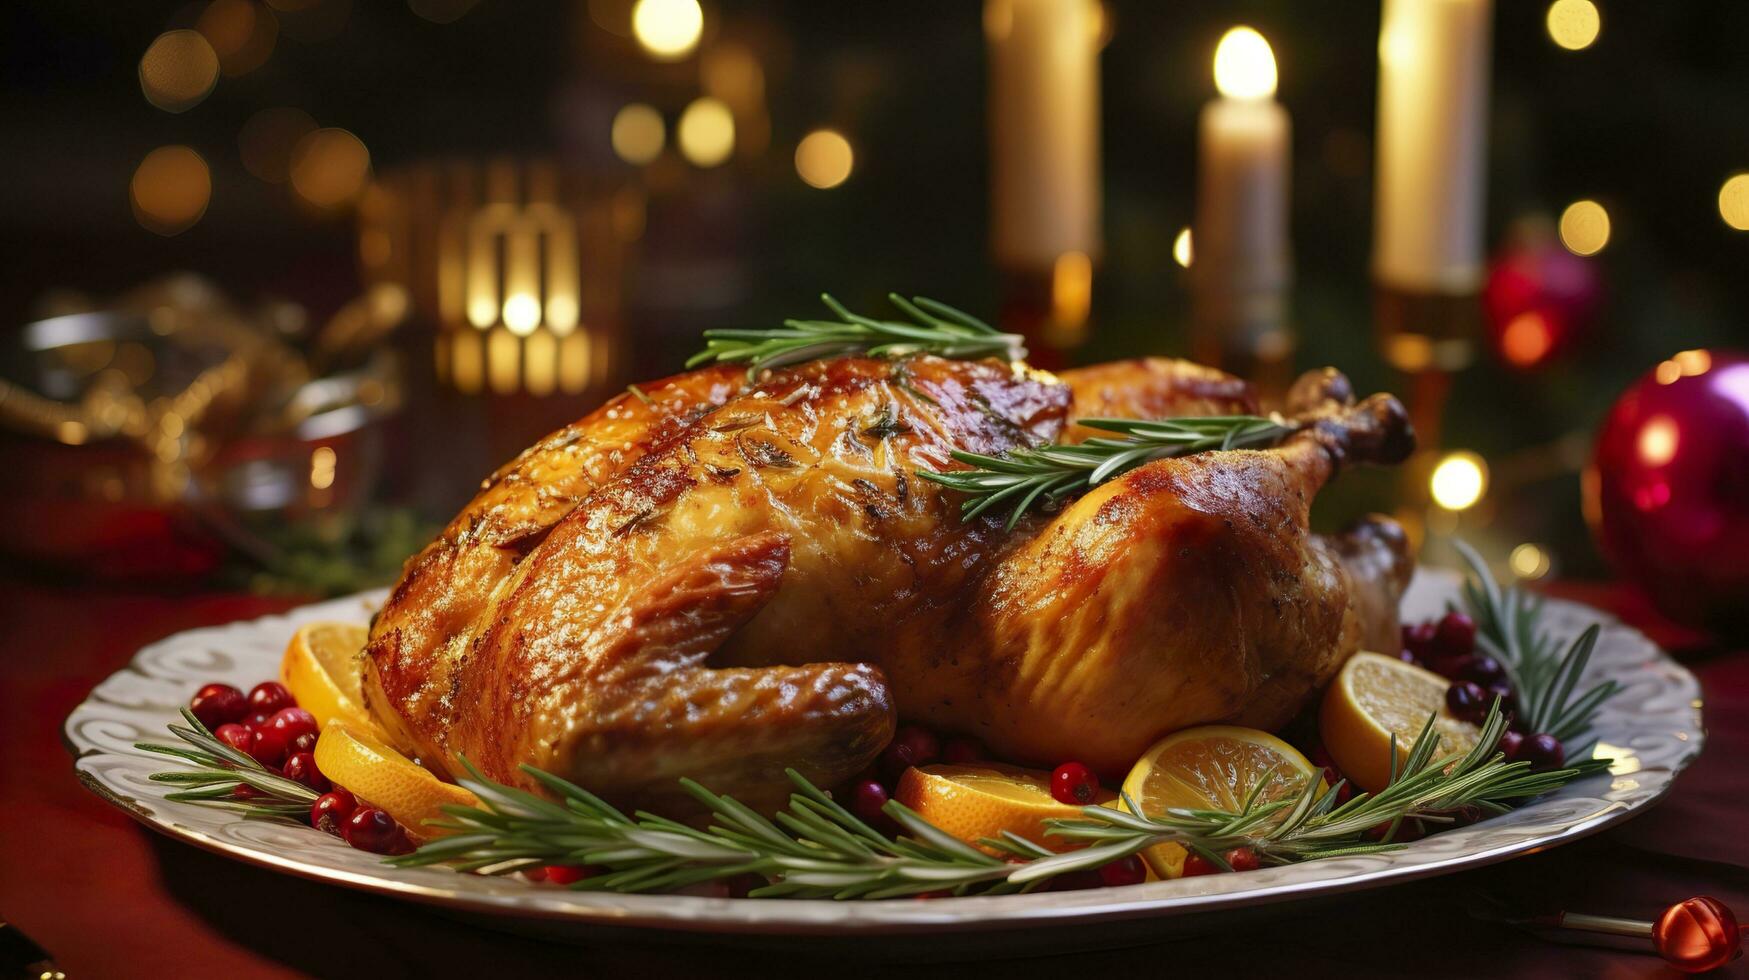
[
  {"x": 983, "y": 799},
  {"x": 321, "y": 669},
  {"x": 384, "y": 778},
  {"x": 1214, "y": 767},
  {"x": 1376, "y": 696}
]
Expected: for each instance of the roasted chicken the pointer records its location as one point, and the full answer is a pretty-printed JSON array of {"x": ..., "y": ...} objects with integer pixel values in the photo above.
[{"x": 712, "y": 578}]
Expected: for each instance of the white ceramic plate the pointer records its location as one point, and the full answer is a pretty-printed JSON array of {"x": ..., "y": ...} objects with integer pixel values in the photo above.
[{"x": 1653, "y": 728}]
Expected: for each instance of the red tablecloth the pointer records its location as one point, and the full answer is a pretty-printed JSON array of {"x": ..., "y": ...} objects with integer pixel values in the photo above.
[{"x": 109, "y": 898}]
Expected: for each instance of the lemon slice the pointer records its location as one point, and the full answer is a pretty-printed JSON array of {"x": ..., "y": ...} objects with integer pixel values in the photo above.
[
  {"x": 983, "y": 799},
  {"x": 386, "y": 779},
  {"x": 321, "y": 669},
  {"x": 1214, "y": 767},
  {"x": 1376, "y": 696}
]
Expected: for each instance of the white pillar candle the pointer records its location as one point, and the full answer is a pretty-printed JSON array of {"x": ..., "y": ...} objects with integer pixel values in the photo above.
[
  {"x": 1432, "y": 137},
  {"x": 1044, "y": 129},
  {"x": 1243, "y": 261}
]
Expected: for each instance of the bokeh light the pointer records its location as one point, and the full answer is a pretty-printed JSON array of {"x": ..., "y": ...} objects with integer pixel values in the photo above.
[
  {"x": 668, "y": 29},
  {"x": 1244, "y": 65},
  {"x": 1527, "y": 339},
  {"x": 178, "y": 70},
  {"x": 1574, "y": 24},
  {"x": 1734, "y": 202},
  {"x": 707, "y": 132},
  {"x": 1459, "y": 481},
  {"x": 330, "y": 168},
  {"x": 1585, "y": 227},
  {"x": 638, "y": 134},
  {"x": 1658, "y": 440},
  {"x": 170, "y": 189},
  {"x": 242, "y": 32},
  {"x": 1182, "y": 249},
  {"x": 1528, "y": 561},
  {"x": 267, "y": 140},
  {"x": 824, "y": 159}
]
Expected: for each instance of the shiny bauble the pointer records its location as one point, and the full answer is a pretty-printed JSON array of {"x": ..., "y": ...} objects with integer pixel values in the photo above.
[{"x": 1540, "y": 300}]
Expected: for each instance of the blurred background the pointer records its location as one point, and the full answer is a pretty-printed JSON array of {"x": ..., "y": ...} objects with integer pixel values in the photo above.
[{"x": 285, "y": 277}]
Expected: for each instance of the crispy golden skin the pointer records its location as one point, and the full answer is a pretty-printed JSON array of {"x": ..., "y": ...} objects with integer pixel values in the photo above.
[{"x": 758, "y": 579}]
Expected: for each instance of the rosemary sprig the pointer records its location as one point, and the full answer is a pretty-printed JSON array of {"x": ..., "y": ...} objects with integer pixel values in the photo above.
[
  {"x": 1508, "y": 627},
  {"x": 1021, "y": 478},
  {"x": 219, "y": 770},
  {"x": 817, "y": 849},
  {"x": 934, "y": 328}
]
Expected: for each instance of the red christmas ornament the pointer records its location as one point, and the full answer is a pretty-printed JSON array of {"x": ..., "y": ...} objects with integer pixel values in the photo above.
[
  {"x": 1539, "y": 299},
  {"x": 1667, "y": 492},
  {"x": 1698, "y": 935}
]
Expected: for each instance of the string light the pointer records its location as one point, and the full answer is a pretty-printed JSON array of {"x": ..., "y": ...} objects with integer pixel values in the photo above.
[
  {"x": 824, "y": 159},
  {"x": 706, "y": 132},
  {"x": 1244, "y": 65},
  {"x": 1527, "y": 339},
  {"x": 1528, "y": 561},
  {"x": 1574, "y": 24},
  {"x": 668, "y": 29},
  {"x": 638, "y": 134},
  {"x": 241, "y": 32},
  {"x": 1181, "y": 248},
  {"x": 1585, "y": 227},
  {"x": 330, "y": 168},
  {"x": 170, "y": 189},
  {"x": 1734, "y": 202},
  {"x": 178, "y": 70},
  {"x": 1459, "y": 481}
]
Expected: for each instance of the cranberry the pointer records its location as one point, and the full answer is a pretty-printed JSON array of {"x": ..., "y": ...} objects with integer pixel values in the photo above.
[
  {"x": 269, "y": 696},
  {"x": 370, "y": 829},
  {"x": 1543, "y": 752},
  {"x": 1243, "y": 859},
  {"x": 300, "y": 767},
  {"x": 258, "y": 719},
  {"x": 331, "y": 809},
  {"x": 1467, "y": 701},
  {"x": 1124, "y": 871},
  {"x": 1073, "y": 783},
  {"x": 565, "y": 874},
  {"x": 293, "y": 722},
  {"x": 1418, "y": 639},
  {"x": 268, "y": 746},
  {"x": 1509, "y": 743},
  {"x": 1409, "y": 829},
  {"x": 1455, "y": 635},
  {"x": 236, "y": 736},
  {"x": 1344, "y": 788},
  {"x": 305, "y": 742},
  {"x": 963, "y": 750},
  {"x": 1481, "y": 668},
  {"x": 218, "y": 704},
  {"x": 911, "y": 746},
  {"x": 1508, "y": 698},
  {"x": 535, "y": 874},
  {"x": 244, "y": 791},
  {"x": 1195, "y": 865},
  {"x": 866, "y": 799}
]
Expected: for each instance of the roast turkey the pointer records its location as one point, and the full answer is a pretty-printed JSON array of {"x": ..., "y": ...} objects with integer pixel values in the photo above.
[{"x": 718, "y": 578}]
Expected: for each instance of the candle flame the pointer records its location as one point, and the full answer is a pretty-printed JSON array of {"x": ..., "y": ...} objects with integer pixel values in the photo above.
[{"x": 1244, "y": 65}]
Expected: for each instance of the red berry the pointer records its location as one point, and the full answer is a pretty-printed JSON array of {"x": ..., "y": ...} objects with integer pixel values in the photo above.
[
  {"x": 300, "y": 767},
  {"x": 293, "y": 722},
  {"x": 1408, "y": 830},
  {"x": 236, "y": 736},
  {"x": 268, "y": 747},
  {"x": 565, "y": 874},
  {"x": 963, "y": 750},
  {"x": 370, "y": 829},
  {"x": 911, "y": 746},
  {"x": 303, "y": 743},
  {"x": 1196, "y": 865},
  {"x": 258, "y": 719},
  {"x": 866, "y": 799},
  {"x": 1418, "y": 639},
  {"x": 1481, "y": 668},
  {"x": 331, "y": 809},
  {"x": 218, "y": 704},
  {"x": 1509, "y": 743},
  {"x": 1467, "y": 701},
  {"x": 1344, "y": 788},
  {"x": 1073, "y": 783},
  {"x": 1123, "y": 871},
  {"x": 269, "y": 696},
  {"x": 1455, "y": 635},
  {"x": 244, "y": 791},
  {"x": 1243, "y": 859},
  {"x": 1543, "y": 752}
]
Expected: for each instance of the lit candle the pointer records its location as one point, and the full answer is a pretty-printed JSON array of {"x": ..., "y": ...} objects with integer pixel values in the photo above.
[
  {"x": 1432, "y": 130},
  {"x": 1044, "y": 130},
  {"x": 1243, "y": 265}
]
